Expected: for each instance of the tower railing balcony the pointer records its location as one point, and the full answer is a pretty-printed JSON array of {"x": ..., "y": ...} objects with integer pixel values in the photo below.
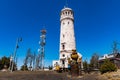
[
  {"x": 67, "y": 51},
  {"x": 63, "y": 51},
  {"x": 65, "y": 17},
  {"x": 63, "y": 58}
]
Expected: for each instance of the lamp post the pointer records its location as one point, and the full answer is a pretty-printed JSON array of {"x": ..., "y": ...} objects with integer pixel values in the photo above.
[
  {"x": 14, "y": 54},
  {"x": 11, "y": 58}
]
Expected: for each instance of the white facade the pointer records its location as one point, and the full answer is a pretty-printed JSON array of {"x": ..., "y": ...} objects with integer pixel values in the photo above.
[{"x": 67, "y": 37}]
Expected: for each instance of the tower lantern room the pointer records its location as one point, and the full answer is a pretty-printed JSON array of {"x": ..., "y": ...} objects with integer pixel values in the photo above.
[{"x": 66, "y": 13}]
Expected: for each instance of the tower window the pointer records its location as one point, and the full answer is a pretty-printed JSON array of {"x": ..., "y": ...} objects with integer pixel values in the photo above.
[
  {"x": 63, "y": 62},
  {"x": 63, "y": 23},
  {"x": 63, "y": 55},
  {"x": 68, "y": 22},
  {"x": 63, "y": 46},
  {"x": 56, "y": 63},
  {"x": 63, "y": 35},
  {"x": 66, "y": 13}
]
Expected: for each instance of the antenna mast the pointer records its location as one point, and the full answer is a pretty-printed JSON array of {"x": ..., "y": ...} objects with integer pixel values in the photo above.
[
  {"x": 66, "y": 4},
  {"x": 41, "y": 50},
  {"x": 43, "y": 37}
]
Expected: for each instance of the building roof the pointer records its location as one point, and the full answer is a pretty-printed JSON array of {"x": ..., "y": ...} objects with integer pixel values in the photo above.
[{"x": 113, "y": 56}]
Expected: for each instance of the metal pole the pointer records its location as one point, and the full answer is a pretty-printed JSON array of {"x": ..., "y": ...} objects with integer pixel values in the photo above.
[
  {"x": 11, "y": 58},
  {"x": 14, "y": 55}
]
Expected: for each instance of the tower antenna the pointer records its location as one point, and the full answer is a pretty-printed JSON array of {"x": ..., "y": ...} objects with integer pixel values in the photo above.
[{"x": 66, "y": 4}]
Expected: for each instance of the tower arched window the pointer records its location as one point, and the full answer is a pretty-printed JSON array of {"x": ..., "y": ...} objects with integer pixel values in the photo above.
[
  {"x": 66, "y": 13},
  {"x": 63, "y": 46},
  {"x": 63, "y": 13}
]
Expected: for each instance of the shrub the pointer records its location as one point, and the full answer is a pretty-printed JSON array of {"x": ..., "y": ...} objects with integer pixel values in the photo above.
[
  {"x": 24, "y": 68},
  {"x": 107, "y": 66}
]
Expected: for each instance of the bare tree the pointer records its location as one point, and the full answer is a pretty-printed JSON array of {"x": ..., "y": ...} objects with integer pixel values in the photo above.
[{"x": 94, "y": 61}]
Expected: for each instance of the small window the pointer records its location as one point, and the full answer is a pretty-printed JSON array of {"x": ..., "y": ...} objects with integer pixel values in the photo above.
[
  {"x": 63, "y": 35},
  {"x": 68, "y": 22},
  {"x": 66, "y": 13},
  {"x": 63, "y": 62},
  {"x": 63, "y": 46},
  {"x": 56, "y": 63},
  {"x": 63, "y": 23},
  {"x": 63, "y": 55}
]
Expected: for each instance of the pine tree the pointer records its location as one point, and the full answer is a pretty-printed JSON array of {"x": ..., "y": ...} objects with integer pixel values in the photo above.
[
  {"x": 24, "y": 68},
  {"x": 107, "y": 66},
  {"x": 4, "y": 61}
]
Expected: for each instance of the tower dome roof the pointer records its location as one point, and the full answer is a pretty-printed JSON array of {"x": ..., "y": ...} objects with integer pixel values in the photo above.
[{"x": 66, "y": 8}]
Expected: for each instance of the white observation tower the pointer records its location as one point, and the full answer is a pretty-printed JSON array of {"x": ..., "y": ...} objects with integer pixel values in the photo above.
[{"x": 67, "y": 36}]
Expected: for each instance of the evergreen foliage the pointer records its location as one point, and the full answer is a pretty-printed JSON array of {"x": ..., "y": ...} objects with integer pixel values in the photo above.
[
  {"x": 24, "y": 68},
  {"x": 85, "y": 66},
  {"x": 50, "y": 67},
  {"x": 107, "y": 66},
  {"x": 5, "y": 61}
]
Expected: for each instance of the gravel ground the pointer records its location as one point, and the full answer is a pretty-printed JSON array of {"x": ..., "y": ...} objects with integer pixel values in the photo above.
[
  {"x": 43, "y": 75},
  {"x": 38, "y": 75}
]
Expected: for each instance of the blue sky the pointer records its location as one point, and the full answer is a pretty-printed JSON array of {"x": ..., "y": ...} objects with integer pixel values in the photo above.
[{"x": 97, "y": 25}]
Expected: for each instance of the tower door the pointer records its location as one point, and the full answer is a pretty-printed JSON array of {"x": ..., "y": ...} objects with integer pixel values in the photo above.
[{"x": 63, "y": 62}]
